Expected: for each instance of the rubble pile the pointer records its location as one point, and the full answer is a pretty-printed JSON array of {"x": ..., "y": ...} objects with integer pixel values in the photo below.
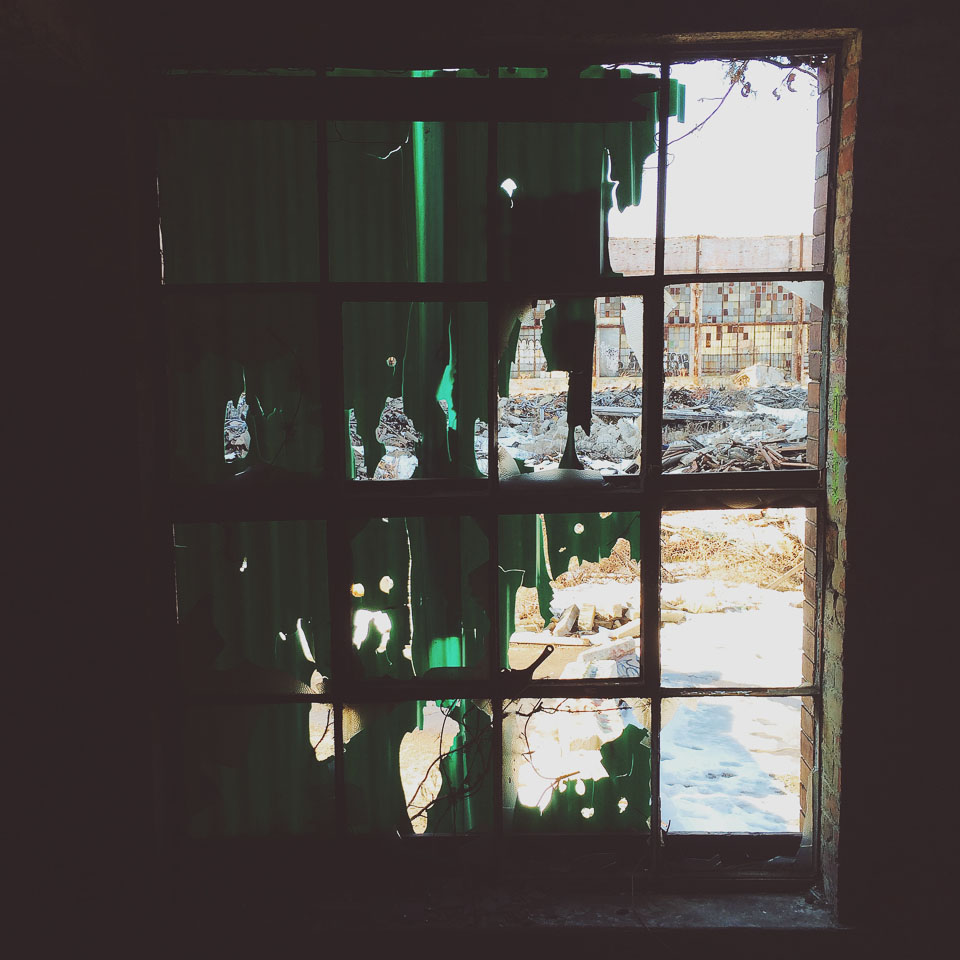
[
  {"x": 786, "y": 398},
  {"x": 396, "y": 428},
  {"x": 618, "y": 566},
  {"x": 767, "y": 552},
  {"x": 398, "y": 434},
  {"x": 713, "y": 429},
  {"x": 731, "y": 451},
  {"x": 610, "y": 639},
  {"x": 706, "y": 401}
]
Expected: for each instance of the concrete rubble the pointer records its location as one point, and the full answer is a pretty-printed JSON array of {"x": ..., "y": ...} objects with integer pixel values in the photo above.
[
  {"x": 705, "y": 429},
  {"x": 713, "y": 429}
]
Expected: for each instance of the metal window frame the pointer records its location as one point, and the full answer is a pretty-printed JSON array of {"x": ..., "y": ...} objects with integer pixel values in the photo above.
[{"x": 336, "y": 499}]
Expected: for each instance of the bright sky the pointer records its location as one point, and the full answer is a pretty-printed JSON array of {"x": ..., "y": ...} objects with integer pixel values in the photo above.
[{"x": 747, "y": 172}]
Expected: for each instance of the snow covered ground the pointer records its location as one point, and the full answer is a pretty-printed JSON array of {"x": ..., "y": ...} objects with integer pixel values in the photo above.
[{"x": 732, "y": 765}]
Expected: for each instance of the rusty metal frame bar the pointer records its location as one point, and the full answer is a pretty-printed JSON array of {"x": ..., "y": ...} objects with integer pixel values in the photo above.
[
  {"x": 648, "y": 494},
  {"x": 459, "y": 51},
  {"x": 322, "y": 499},
  {"x": 374, "y": 98},
  {"x": 491, "y": 289},
  {"x": 358, "y": 690}
]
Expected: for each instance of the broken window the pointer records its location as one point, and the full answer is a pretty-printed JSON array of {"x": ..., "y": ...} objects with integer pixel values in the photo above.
[
  {"x": 252, "y": 771},
  {"x": 572, "y": 582},
  {"x": 406, "y": 200},
  {"x": 577, "y": 766},
  {"x": 739, "y": 403},
  {"x": 418, "y": 597},
  {"x": 246, "y": 394},
  {"x": 732, "y": 764},
  {"x": 731, "y": 598},
  {"x": 419, "y": 767},
  {"x": 509, "y": 292},
  {"x": 553, "y": 415},
  {"x": 717, "y": 219},
  {"x": 252, "y": 607},
  {"x": 415, "y": 388}
]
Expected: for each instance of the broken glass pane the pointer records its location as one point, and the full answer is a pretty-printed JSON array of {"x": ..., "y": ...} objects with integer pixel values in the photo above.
[
  {"x": 419, "y": 767},
  {"x": 259, "y": 350},
  {"x": 579, "y": 199},
  {"x": 576, "y": 766},
  {"x": 238, "y": 200},
  {"x": 546, "y": 392},
  {"x": 251, "y": 771},
  {"x": 559, "y": 182},
  {"x": 738, "y": 360},
  {"x": 415, "y": 384},
  {"x": 252, "y": 607},
  {"x": 571, "y": 581},
  {"x": 731, "y": 598},
  {"x": 740, "y": 192},
  {"x": 419, "y": 597},
  {"x": 407, "y": 200},
  {"x": 731, "y": 764}
]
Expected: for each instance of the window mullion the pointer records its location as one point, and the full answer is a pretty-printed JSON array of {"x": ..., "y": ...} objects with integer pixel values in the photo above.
[
  {"x": 493, "y": 405},
  {"x": 329, "y": 312}
]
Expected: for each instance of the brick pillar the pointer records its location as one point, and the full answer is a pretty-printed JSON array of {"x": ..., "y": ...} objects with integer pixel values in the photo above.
[
  {"x": 810, "y": 607},
  {"x": 828, "y": 387}
]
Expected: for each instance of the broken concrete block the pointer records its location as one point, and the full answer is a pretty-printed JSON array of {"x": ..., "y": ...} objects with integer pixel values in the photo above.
[
  {"x": 632, "y": 629},
  {"x": 603, "y": 670},
  {"x": 567, "y": 622},
  {"x": 672, "y": 616},
  {"x": 632, "y": 612},
  {"x": 609, "y": 651},
  {"x": 588, "y": 613},
  {"x": 617, "y": 610}
]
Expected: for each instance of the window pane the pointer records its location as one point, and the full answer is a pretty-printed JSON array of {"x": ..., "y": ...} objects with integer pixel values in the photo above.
[
  {"x": 732, "y": 598},
  {"x": 571, "y": 581},
  {"x": 252, "y": 607},
  {"x": 407, "y": 200},
  {"x": 732, "y": 764},
  {"x": 576, "y": 766},
  {"x": 415, "y": 381},
  {"x": 252, "y": 771},
  {"x": 563, "y": 188},
  {"x": 419, "y": 767},
  {"x": 419, "y": 597},
  {"x": 576, "y": 362},
  {"x": 740, "y": 188},
  {"x": 238, "y": 200},
  {"x": 245, "y": 386},
  {"x": 739, "y": 359}
]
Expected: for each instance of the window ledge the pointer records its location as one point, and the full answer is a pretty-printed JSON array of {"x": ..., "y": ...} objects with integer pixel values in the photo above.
[{"x": 650, "y": 912}]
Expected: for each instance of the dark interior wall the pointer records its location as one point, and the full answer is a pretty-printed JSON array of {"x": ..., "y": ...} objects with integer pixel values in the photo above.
[{"x": 75, "y": 215}]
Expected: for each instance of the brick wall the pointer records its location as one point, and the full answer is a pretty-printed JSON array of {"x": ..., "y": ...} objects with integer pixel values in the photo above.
[{"x": 838, "y": 85}]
